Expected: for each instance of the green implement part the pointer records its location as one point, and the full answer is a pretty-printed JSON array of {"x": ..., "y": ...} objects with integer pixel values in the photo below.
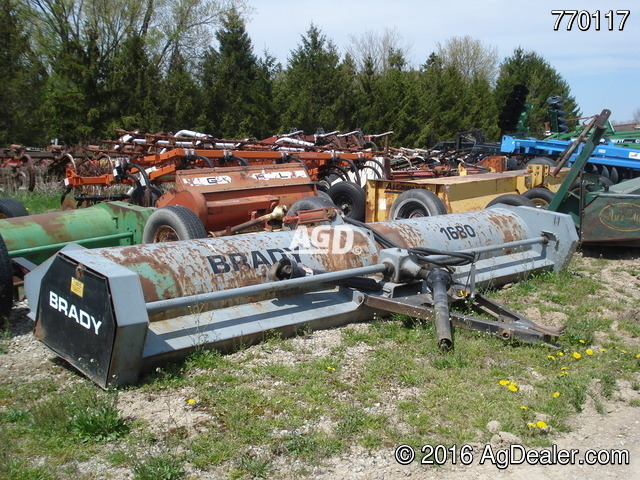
[
  {"x": 604, "y": 215},
  {"x": 612, "y": 216},
  {"x": 37, "y": 237}
]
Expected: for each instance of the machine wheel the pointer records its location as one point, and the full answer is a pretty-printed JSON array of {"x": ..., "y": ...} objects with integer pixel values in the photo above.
[
  {"x": 417, "y": 203},
  {"x": 350, "y": 198},
  {"x": 172, "y": 223},
  {"x": 326, "y": 196},
  {"x": 311, "y": 203},
  {"x": 541, "y": 161},
  {"x": 512, "y": 199},
  {"x": 308, "y": 203},
  {"x": 540, "y": 196},
  {"x": 6, "y": 282},
  {"x": 589, "y": 187},
  {"x": 11, "y": 207}
]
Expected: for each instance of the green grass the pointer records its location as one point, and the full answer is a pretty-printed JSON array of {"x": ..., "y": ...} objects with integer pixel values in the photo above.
[
  {"x": 163, "y": 467},
  {"x": 39, "y": 201},
  {"x": 381, "y": 384},
  {"x": 61, "y": 425}
]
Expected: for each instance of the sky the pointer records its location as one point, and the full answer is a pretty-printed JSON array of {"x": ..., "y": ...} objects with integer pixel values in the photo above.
[{"x": 601, "y": 67}]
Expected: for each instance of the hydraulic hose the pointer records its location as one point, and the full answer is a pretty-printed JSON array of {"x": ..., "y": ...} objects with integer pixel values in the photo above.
[{"x": 459, "y": 258}]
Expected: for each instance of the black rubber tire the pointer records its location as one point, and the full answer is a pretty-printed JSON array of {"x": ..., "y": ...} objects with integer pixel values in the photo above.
[
  {"x": 590, "y": 187},
  {"x": 6, "y": 282},
  {"x": 350, "y": 198},
  {"x": 542, "y": 197},
  {"x": 417, "y": 203},
  {"x": 173, "y": 223},
  {"x": 326, "y": 196},
  {"x": 541, "y": 161},
  {"x": 575, "y": 187},
  {"x": 310, "y": 203},
  {"x": 513, "y": 200},
  {"x": 11, "y": 208}
]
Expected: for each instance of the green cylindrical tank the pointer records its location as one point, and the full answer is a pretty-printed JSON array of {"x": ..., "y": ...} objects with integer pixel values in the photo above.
[{"x": 37, "y": 237}]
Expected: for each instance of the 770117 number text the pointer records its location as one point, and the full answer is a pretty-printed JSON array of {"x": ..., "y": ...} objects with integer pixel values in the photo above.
[{"x": 584, "y": 20}]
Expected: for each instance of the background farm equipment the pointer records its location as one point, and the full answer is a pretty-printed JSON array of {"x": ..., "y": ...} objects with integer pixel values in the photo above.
[
  {"x": 146, "y": 162},
  {"x": 605, "y": 214},
  {"x": 415, "y": 197},
  {"x": 233, "y": 199},
  {"x": 114, "y": 313}
]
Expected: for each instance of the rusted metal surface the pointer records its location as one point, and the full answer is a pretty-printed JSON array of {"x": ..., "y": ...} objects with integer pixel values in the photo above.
[
  {"x": 486, "y": 227},
  {"x": 226, "y": 197},
  {"x": 193, "y": 267},
  {"x": 497, "y": 163},
  {"x": 171, "y": 270}
]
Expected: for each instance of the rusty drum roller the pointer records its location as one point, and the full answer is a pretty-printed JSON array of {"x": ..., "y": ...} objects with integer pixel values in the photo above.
[{"x": 116, "y": 312}]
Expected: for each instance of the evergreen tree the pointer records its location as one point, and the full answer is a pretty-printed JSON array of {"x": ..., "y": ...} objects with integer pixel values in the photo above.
[
  {"x": 21, "y": 77},
  {"x": 452, "y": 100},
  {"x": 105, "y": 58},
  {"x": 180, "y": 102},
  {"x": 314, "y": 90},
  {"x": 238, "y": 98},
  {"x": 542, "y": 80},
  {"x": 396, "y": 101},
  {"x": 132, "y": 89}
]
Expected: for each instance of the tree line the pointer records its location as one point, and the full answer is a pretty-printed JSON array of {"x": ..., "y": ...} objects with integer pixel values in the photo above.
[{"x": 75, "y": 71}]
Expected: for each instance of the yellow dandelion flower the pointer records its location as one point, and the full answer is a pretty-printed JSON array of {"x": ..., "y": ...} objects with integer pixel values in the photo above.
[
  {"x": 513, "y": 388},
  {"x": 191, "y": 401},
  {"x": 331, "y": 369},
  {"x": 523, "y": 407},
  {"x": 504, "y": 382},
  {"x": 531, "y": 424},
  {"x": 560, "y": 375},
  {"x": 603, "y": 349},
  {"x": 560, "y": 354},
  {"x": 563, "y": 368},
  {"x": 551, "y": 357},
  {"x": 638, "y": 355},
  {"x": 555, "y": 394},
  {"x": 623, "y": 351},
  {"x": 541, "y": 424},
  {"x": 588, "y": 351},
  {"x": 578, "y": 386},
  {"x": 576, "y": 355},
  {"x": 582, "y": 341}
]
